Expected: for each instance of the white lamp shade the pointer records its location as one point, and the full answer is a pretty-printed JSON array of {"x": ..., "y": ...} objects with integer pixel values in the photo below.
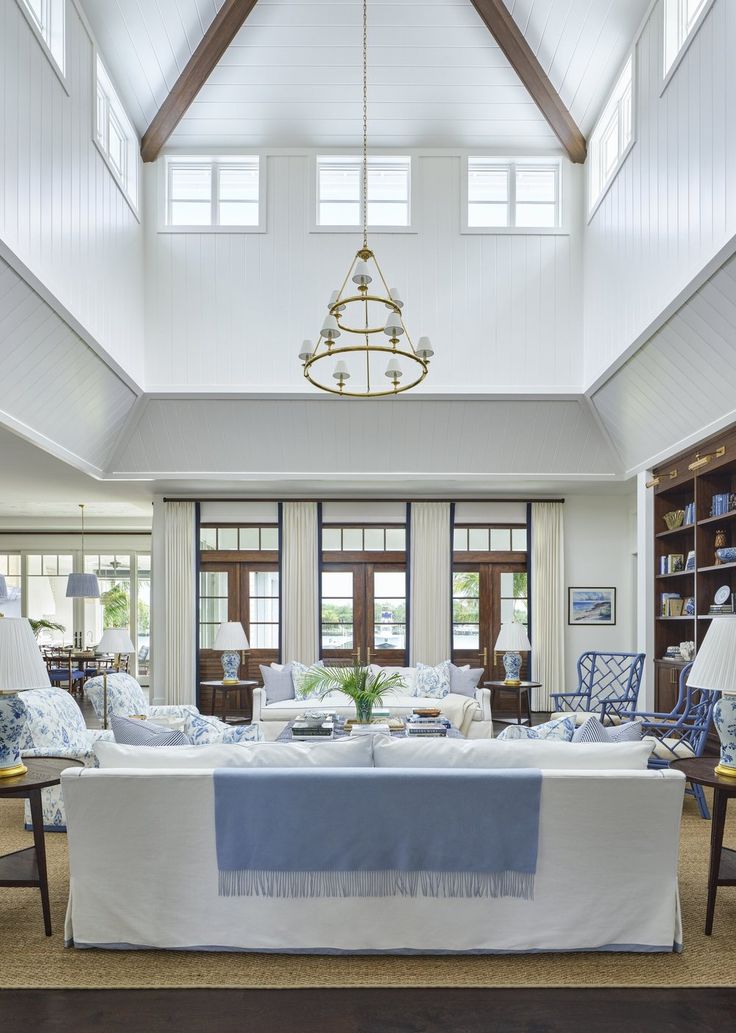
[
  {"x": 82, "y": 586},
  {"x": 21, "y": 663},
  {"x": 115, "y": 640},
  {"x": 424, "y": 348},
  {"x": 395, "y": 297},
  {"x": 394, "y": 327},
  {"x": 341, "y": 371},
  {"x": 714, "y": 667},
  {"x": 330, "y": 330},
  {"x": 393, "y": 369},
  {"x": 305, "y": 352},
  {"x": 231, "y": 635},
  {"x": 362, "y": 273},
  {"x": 513, "y": 638}
]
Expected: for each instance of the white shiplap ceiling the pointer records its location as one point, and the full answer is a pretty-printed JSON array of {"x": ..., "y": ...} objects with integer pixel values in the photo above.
[{"x": 292, "y": 75}]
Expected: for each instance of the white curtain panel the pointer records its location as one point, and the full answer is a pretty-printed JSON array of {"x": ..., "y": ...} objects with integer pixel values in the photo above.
[
  {"x": 431, "y": 572},
  {"x": 300, "y": 582},
  {"x": 548, "y": 602},
  {"x": 180, "y": 645}
]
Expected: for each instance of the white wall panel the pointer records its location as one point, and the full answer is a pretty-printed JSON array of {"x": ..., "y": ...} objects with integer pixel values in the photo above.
[
  {"x": 61, "y": 212},
  {"x": 230, "y": 310},
  {"x": 672, "y": 205},
  {"x": 681, "y": 385},
  {"x": 53, "y": 388},
  {"x": 234, "y": 512}
]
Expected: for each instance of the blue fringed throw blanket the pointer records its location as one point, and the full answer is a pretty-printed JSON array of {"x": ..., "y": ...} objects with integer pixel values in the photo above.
[{"x": 367, "y": 832}]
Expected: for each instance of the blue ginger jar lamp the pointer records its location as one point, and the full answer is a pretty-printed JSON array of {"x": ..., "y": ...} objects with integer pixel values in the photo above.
[
  {"x": 513, "y": 640},
  {"x": 231, "y": 640},
  {"x": 21, "y": 668},
  {"x": 714, "y": 668}
]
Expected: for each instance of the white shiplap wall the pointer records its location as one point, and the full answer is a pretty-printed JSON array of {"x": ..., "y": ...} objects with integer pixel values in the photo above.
[
  {"x": 61, "y": 212},
  {"x": 673, "y": 204},
  {"x": 230, "y": 310}
]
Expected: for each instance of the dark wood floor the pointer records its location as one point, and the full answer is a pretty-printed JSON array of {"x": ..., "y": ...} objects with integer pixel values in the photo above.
[{"x": 370, "y": 1011}]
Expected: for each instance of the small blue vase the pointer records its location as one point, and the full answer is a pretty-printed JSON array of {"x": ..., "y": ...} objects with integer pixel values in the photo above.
[
  {"x": 230, "y": 666},
  {"x": 12, "y": 722},
  {"x": 512, "y": 666},
  {"x": 724, "y": 718}
]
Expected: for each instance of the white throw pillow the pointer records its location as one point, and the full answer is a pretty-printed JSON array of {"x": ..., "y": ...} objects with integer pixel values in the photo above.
[
  {"x": 349, "y": 753},
  {"x": 299, "y": 673},
  {"x": 432, "y": 682},
  {"x": 491, "y": 753},
  {"x": 408, "y": 675}
]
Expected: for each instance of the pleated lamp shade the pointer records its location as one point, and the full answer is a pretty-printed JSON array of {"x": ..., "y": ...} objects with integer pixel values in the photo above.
[
  {"x": 231, "y": 635},
  {"x": 512, "y": 638},
  {"x": 82, "y": 586},
  {"x": 115, "y": 640},
  {"x": 714, "y": 667},
  {"x": 21, "y": 663}
]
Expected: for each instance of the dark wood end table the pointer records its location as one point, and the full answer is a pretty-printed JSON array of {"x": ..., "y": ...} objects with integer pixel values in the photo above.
[
  {"x": 522, "y": 689},
  {"x": 722, "y": 865},
  {"x": 28, "y": 867},
  {"x": 219, "y": 686}
]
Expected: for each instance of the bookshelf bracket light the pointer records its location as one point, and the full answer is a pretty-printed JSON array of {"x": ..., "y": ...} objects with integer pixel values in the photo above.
[
  {"x": 700, "y": 461},
  {"x": 358, "y": 311}
]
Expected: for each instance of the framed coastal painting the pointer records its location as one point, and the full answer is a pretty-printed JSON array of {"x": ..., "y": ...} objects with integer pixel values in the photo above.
[{"x": 591, "y": 606}]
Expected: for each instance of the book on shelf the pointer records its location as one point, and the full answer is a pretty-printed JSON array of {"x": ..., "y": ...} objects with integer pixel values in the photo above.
[
  {"x": 672, "y": 563},
  {"x": 690, "y": 561},
  {"x": 689, "y": 514},
  {"x": 671, "y": 604},
  {"x": 723, "y": 502}
]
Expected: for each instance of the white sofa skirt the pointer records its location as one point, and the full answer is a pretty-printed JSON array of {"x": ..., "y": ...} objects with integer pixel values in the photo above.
[{"x": 143, "y": 874}]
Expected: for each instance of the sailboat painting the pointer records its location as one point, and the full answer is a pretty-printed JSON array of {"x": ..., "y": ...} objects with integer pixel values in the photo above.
[{"x": 591, "y": 606}]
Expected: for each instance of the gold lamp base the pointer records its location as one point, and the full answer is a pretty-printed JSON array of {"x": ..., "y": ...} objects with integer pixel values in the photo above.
[
  {"x": 17, "y": 769},
  {"x": 513, "y": 682},
  {"x": 229, "y": 681},
  {"x": 725, "y": 771}
]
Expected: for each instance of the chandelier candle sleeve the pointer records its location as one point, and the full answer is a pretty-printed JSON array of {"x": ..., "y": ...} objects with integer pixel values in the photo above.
[
  {"x": 231, "y": 639},
  {"x": 514, "y": 641},
  {"x": 355, "y": 317},
  {"x": 714, "y": 668}
]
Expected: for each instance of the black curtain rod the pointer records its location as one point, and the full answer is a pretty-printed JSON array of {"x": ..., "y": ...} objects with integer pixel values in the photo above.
[
  {"x": 87, "y": 534},
  {"x": 322, "y": 498}
]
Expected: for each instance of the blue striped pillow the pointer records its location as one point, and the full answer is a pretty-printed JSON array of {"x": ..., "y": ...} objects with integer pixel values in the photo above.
[
  {"x": 593, "y": 731},
  {"x": 132, "y": 732}
]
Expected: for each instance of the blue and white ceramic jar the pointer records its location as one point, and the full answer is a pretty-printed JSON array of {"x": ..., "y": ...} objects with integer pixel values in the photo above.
[
  {"x": 724, "y": 718},
  {"x": 12, "y": 722},
  {"x": 230, "y": 666}
]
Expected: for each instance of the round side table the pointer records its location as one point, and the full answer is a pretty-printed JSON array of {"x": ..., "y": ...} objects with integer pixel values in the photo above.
[
  {"x": 722, "y": 865},
  {"x": 523, "y": 688},
  {"x": 225, "y": 690},
  {"x": 28, "y": 867}
]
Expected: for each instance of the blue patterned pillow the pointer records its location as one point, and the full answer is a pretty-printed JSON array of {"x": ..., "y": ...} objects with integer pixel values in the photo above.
[
  {"x": 132, "y": 732},
  {"x": 203, "y": 730},
  {"x": 561, "y": 729},
  {"x": 593, "y": 731},
  {"x": 432, "y": 682},
  {"x": 298, "y": 674}
]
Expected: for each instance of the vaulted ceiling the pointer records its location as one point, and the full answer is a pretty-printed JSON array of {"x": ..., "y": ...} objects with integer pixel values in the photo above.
[{"x": 292, "y": 75}]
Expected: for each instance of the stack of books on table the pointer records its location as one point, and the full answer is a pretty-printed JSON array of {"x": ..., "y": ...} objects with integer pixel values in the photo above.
[
  {"x": 304, "y": 729},
  {"x": 426, "y": 726}
]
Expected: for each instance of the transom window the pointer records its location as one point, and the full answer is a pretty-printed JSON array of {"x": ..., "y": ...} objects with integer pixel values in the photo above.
[
  {"x": 614, "y": 132},
  {"x": 47, "y": 18},
  {"x": 681, "y": 19},
  {"x": 519, "y": 193},
  {"x": 212, "y": 192},
  {"x": 340, "y": 190},
  {"x": 239, "y": 539},
  {"x": 364, "y": 539},
  {"x": 489, "y": 539},
  {"x": 115, "y": 136}
]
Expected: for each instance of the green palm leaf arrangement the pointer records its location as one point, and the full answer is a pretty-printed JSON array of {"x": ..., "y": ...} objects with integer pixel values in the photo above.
[{"x": 366, "y": 688}]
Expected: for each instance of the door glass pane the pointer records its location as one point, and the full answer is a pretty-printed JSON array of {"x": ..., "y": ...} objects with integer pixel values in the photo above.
[
  {"x": 144, "y": 615},
  {"x": 213, "y": 609},
  {"x": 389, "y": 609},
  {"x": 213, "y": 605},
  {"x": 337, "y": 610},
  {"x": 337, "y": 583},
  {"x": 112, "y": 609},
  {"x": 213, "y": 582},
  {"x": 466, "y": 610},
  {"x": 263, "y": 591}
]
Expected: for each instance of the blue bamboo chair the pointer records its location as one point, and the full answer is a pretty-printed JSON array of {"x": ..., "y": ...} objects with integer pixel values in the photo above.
[
  {"x": 608, "y": 685},
  {"x": 683, "y": 732}
]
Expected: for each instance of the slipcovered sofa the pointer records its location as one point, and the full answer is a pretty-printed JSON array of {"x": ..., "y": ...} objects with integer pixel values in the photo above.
[
  {"x": 478, "y": 721},
  {"x": 605, "y": 880}
]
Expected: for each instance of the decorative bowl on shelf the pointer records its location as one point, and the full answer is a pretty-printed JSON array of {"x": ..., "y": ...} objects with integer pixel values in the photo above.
[
  {"x": 674, "y": 519},
  {"x": 727, "y": 555}
]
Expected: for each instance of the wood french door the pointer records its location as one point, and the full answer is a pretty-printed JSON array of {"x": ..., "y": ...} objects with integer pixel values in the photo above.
[
  {"x": 483, "y": 595},
  {"x": 238, "y": 591},
  {"x": 363, "y": 616}
]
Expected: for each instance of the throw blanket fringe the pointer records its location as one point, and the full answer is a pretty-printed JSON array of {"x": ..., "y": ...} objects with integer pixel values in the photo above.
[{"x": 259, "y": 883}]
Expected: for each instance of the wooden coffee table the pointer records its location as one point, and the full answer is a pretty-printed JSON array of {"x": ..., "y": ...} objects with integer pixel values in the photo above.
[
  {"x": 722, "y": 865},
  {"x": 28, "y": 867}
]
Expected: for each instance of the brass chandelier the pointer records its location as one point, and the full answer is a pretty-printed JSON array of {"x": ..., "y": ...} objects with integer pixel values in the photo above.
[{"x": 357, "y": 314}]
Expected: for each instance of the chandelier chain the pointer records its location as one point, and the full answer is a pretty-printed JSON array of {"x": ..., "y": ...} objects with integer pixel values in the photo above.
[{"x": 365, "y": 123}]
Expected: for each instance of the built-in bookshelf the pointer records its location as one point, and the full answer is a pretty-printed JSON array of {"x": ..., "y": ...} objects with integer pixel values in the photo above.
[{"x": 687, "y": 573}]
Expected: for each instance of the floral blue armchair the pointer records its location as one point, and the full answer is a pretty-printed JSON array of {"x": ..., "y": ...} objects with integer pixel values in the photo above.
[
  {"x": 55, "y": 728},
  {"x": 125, "y": 698}
]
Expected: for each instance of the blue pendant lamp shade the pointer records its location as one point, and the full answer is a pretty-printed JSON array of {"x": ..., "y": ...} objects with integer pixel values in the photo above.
[{"x": 82, "y": 586}]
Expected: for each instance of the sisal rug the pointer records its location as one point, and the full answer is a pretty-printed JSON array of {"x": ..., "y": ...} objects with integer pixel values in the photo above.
[{"x": 30, "y": 960}]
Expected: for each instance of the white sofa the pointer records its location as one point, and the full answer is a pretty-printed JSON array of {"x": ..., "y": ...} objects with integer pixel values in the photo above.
[{"x": 606, "y": 874}]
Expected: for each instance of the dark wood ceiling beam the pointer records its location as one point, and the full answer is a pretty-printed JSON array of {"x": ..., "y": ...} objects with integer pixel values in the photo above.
[
  {"x": 519, "y": 54},
  {"x": 200, "y": 65}
]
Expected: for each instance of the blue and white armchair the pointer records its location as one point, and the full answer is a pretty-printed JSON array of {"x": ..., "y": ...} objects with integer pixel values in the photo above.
[
  {"x": 55, "y": 728},
  {"x": 126, "y": 698},
  {"x": 608, "y": 685}
]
